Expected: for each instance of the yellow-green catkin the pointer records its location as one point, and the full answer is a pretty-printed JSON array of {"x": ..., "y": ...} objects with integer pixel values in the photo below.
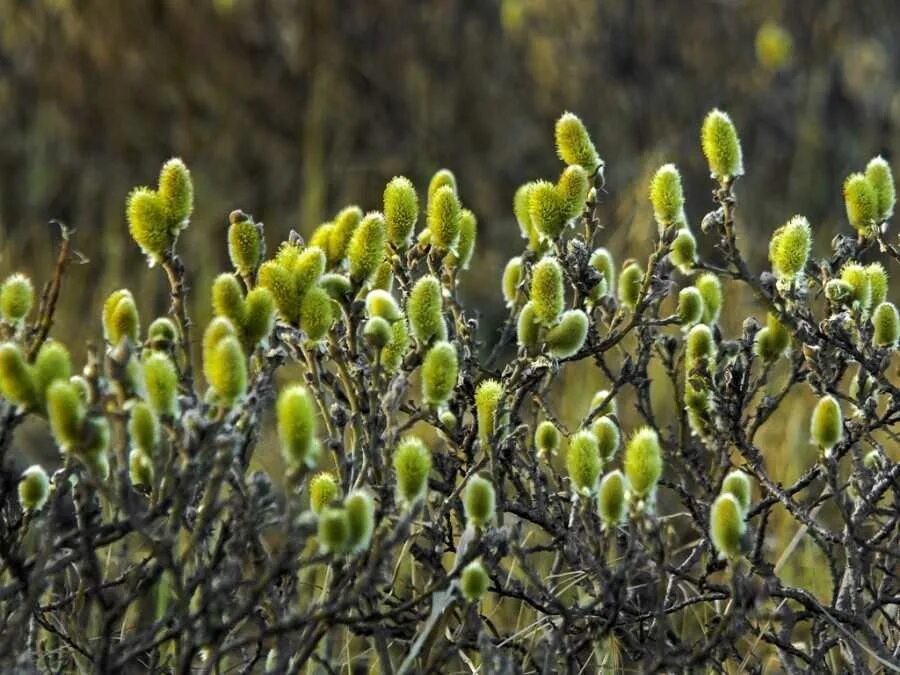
[
  {"x": 444, "y": 219},
  {"x": 602, "y": 261},
  {"x": 527, "y": 328},
  {"x": 377, "y": 331},
  {"x": 16, "y": 298},
  {"x": 690, "y": 306},
  {"x": 666, "y": 195},
  {"x": 465, "y": 247},
  {"x": 323, "y": 490},
  {"x": 789, "y": 248},
  {"x": 412, "y": 464},
  {"x": 176, "y": 190},
  {"x": 440, "y": 369},
  {"x": 880, "y": 178},
  {"x": 826, "y": 425},
  {"x": 479, "y": 501},
  {"x": 721, "y": 146},
  {"x": 120, "y": 317},
  {"x": 737, "y": 484},
  {"x": 66, "y": 414},
  {"x": 321, "y": 236},
  {"x": 886, "y": 325},
  {"x": 140, "y": 467},
  {"x": 333, "y": 530},
  {"x": 583, "y": 462},
  {"x": 34, "y": 488},
  {"x": 546, "y": 209},
  {"x": 861, "y": 203},
  {"x": 726, "y": 525},
  {"x": 567, "y": 337},
  {"x": 393, "y": 353},
  {"x": 155, "y": 217},
  {"x": 574, "y": 145},
  {"x": 711, "y": 291},
  {"x": 53, "y": 363},
  {"x": 547, "y": 291},
  {"x": 546, "y": 439},
  {"x": 17, "y": 382},
  {"x": 343, "y": 227},
  {"x": 611, "y": 498},
  {"x": 161, "y": 384},
  {"x": 521, "y": 209},
  {"x": 228, "y": 298},
  {"x": 225, "y": 367},
  {"x": 606, "y": 431},
  {"x": 360, "y": 508},
  {"x": 258, "y": 318},
  {"x": 857, "y": 277},
  {"x": 605, "y": 403},
  {"x": 573, "y": 186},
  {"x": 474, "y": 581},
  {"x": 683, "y": 253},
  {"x": 774, "y": 46},
  {"x": 442, "y": 178},
  {"x": 366, "y": 250},
  {"x": 296, "y": 415},
  {"x": 336, "y": 285},
  {"x": 381, "y": 303},
  {"x": 401, "y": 210},
  {"x": 512, "y": 275},
  {"x": 630, "y": 281},
  {"x": 424, "y": 309},
  {"x": 143, "y": 428},
  {"x": 245, "y": 243},
  {"x": 643, "y": 462},
  {"x": 487, "y": 400},
  {"x": 316, "y": 315},
  {"x": 878, "y": 283},
  {"x": 162, "y": 333},
  {"x": 383, "y": 279}
]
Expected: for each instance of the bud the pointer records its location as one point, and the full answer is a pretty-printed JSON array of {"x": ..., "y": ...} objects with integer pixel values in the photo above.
[
  {"x": 487, "y": 400},
  {"x": 878, "y": 282},
  {"x": 344, "y": 225},
  {"x": 839, "y": 292},
  {"x": 34, "y": 488},
  {"x": 228, "y": 298},
  {"x": 225, "y": 368},
  {"x": 880, "y": 178},
  {"x": 306, "y": 267},
  {"x": 218, "y": 329},
  {"x": 690, "y": 306},
  {"x": 161, "y": 384},
  {"x": 443, "y": 178},
  {"x": 176, "y": 189},
  {"x": 279, "y": 281},
  {"x": 546, "y": 209},
  {"x": 296, "y": 415},
  {"x": 16, "y": 298},
  {"x": 17, "y": 383},
  {"x": 602, "y": 261},
  {"x": 858, "y": 278},
  {"x": 143, "y": 427},
  {"x": 574, "y": 145},
  {"x": 699, "y": 345},
  {"x": 162, "y": 331},
  {"x": 52, "y": 363},
  {"x": 611, "y": 498},
  {"x": 521, "y": 209},
  {"x": 886, "y": 324},
  {"x": 381, "y": 303},
  {"x": 789, "y": 248},
  {"x": 334, "y": 530},
  {"x": 66, "y": 413},
  {"x": 606, "y": 431},
  {"x": 826, "y": 425},
  {"x": 711, "y": 291},
  {"x": 573, "y": 186},
  {"x": 861, "y": 203},
  {"x": 547, "y": 292},
  {"x": 444, "y": 219},
  {"x": 366, "y": 249},
  {"x": 568, "y": 336},
  {"x": 737, "y": 484},
  {"x": 245, "y": 243},
  {"x": 412, "y": 464},
  {"x": 630, "y": 282},
  {"x": 383, "y": 279},
  {"x": 721, "y": 146},
  {"x": 546, "y": 439},
  {"x": 600, "y": 401},
  {"x": 468, "y": 227},
  {"x": 395, "y": 350},
  {"x": 643, "y": 462},
  {"x": 316, "y": 315},
  {"x": 512, "y": 275},
  {"x": 401, "y": 210},
  {"x": 336, "y": 285},
  {"x": 439, "y": 372},
  {"x": 666, "y": 195},
  {"x": 726, "y": 525},
  {"x": 321, "y": 236},
  {"x": 764, "y": 346},
  {"x": 140, "y": 467},
  {"x": 148, "y": 223},
  {"x": 377, "y": 332},
  {"x": 872, "y": 460},
  {"x": 474, "y": 581},
  {"x": 360, "y": 509},
  {"x": 120, "y": 317},
  {"x": 528, "y": 327},
  {"x": 780, "y": 334},
  {"x": 424, "y": 308},
  {"x": 583, "y": 462},
  {"x": 258, "y": 317},
  {"x": 479, "y": 501},
  {"x": 773, "y": 46},
  {"x": 684, "y": 251},
  {"x": 323, "y": 490}
]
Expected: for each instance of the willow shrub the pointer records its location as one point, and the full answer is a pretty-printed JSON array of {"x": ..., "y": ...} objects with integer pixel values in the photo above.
[{"x": 430, "y": 509}]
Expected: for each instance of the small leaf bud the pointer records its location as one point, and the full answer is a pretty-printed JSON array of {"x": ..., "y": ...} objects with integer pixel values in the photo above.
[
  {"x": 606, "y": 431},
  {"x": 377, "y": 331},
  {"x": 684, "y": 250},
  {"x": 465, "y": 247},
  {"x": 336, "y": 285},
  {"x": 602, "y": 261},
  {"x": 711, "y": 291},
  {"x": 600, "y": 401},
  {"x": 140, "y": 467},
  {"x": 528, "y": 327},
  {"x": 512, "y": 275},
  {"x": 120, "y": 317},
  {"x": 381, "y": 303}
]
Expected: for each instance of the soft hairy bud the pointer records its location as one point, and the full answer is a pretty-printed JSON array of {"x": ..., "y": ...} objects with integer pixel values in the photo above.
[
  {"x": 546, "y": 439},
  {"x": 630, "y": 282},
  {"x": 176, "y": 190},
  {"x": 225, "y": 367},
  {"x": 546, "y": 209},
  {"x": 839, "y": 292},
  {"x": 336, "y": 285},
  {"x": 643, "y": 462},
  {"x": 161, "y": 384},
  {"x": 143, "y": 427},
  {"x": 334, "y": 530},
  {"x": 789, "y": 248},
  {"x": 296, "y": 414},
  {"x": 366, "y": 249},
  {"x": 512, "y": 275},
  {"x": 245, "y": 243},
  {"x": 443, "y": 178},
  {"x": 573, "y": 186},
  {"x": 690, "y": 306},
  {"x": 878, "y": 283},
  {"x": 306, "y": 266},
  {"x": 321, "y": 236},
  {"x": 602, "y": 261},
  {"x": 521, "y": 209},
  {"x": 140, "y": 467},
  {"x": 861, "y": 203},
  {"x": 412, "y": 464},
  {"x": 826, "y": 426},
  {"x": 401, "y": 210},
  {"x": 604, "y": 402},
  {"x": 316, "y": 315},
  {"x": 323, "y": 490},
  {"x": 16, "y": 298},
  {"x": 443, "y": 219},
  {"x": 52, "y": 363},
  {"x": 228, "y": 298},
  {"x": 527, "y": 327},
  {"x": 479, "y": 501},
  {"x": 711, "y": 291},
  {"x": 878, "y": 173},
  {"x": 343, "y": 227},
  {"x": 377, "y": 331},
  {"x": 858, "y": 278},
  {"x": 611, "y": 498},
  {"x": 764, "y": 346},
  {"x": 383, "y": 279},
  {"x": 684, "y": 250},
  {"x": 395, "y": 350},
  {"x": 487, "y": 400},
  {"x": 148, "y": 223},
  {"x": 666, "y": 194},
  {"x": 737, "y": 484},
  {"x": 568, "y": 336},
  {"x": 547, "y": 292},
  {"x": 780, "y": 334},
  {"x": 574, "y": 145},
  {"x": 381, "y": 303},
  {"x": 120, "y": 317},
  {"x": 424, "y": 308},
  {"x": 17, "y": 383},
  {"x": 34, "y": 488},
  {"x": 474, "y": 581},
  {"x": 360, "y": 508},
  {"x": 886, "y": 325},
  {"x": 66, "y": 413},
  {"x": 258, "y": 317},
  {"x": 726, "y": 525},
  {"x": 606, "y": 431},
  {"x": 162, "y": 331},
  {"x": 439, "y": 371},
  {"x": 699, "y": 344},
  {"x": 583, "y": 462},
  {"x": 465, "y": 247},
  {"x": 721, "y": 146}
]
